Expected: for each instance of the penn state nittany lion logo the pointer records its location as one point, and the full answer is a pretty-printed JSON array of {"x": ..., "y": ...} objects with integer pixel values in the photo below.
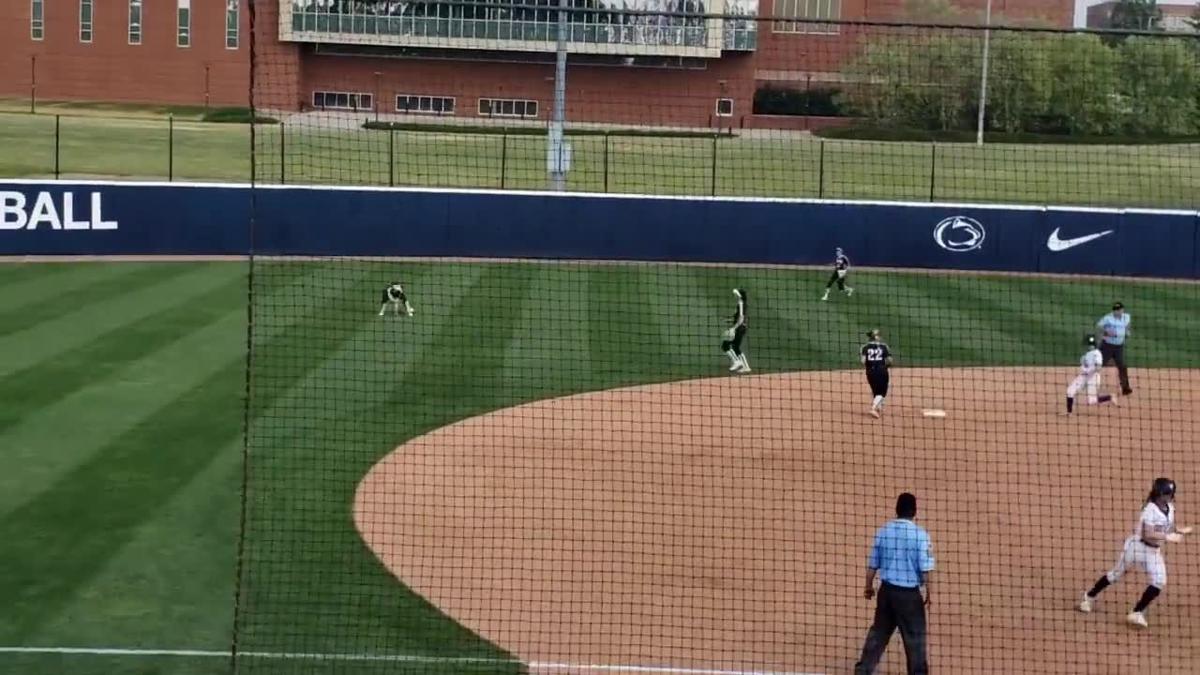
[{"x": 959, "y": 234}]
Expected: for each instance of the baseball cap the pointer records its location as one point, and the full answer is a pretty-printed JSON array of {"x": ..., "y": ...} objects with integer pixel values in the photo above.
[{"x": 1117, "y": 305}]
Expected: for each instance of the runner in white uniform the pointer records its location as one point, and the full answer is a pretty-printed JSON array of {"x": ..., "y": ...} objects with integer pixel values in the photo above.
[
  {"x": 1088, "y": 378},
  {"x": 1143, "y": 549}
]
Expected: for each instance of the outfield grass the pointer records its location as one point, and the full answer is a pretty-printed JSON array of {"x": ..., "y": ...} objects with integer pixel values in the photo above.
[
  {"x": 769, "y": 166},
  {"x": 122, "y": 426}
]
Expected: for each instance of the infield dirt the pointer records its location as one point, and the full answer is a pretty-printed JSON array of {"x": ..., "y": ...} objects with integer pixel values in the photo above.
[{"x": 724, "y": 523}]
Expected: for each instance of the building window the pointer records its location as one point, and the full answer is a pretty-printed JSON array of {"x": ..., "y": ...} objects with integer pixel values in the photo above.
[
  {"x": 37, "y": 19},
  {"x": 231, "y": 24},
  {"x": 183, "y": 24},
  {"x": 811, "y": 12},
  {"x": 135, "y": 22},
  {"x": 340, "y": 100},
  {"x": 724, "y": 107},
  {"x": 424, "y": 105},
  {"x": 85, "y": 20},
  {"x": 507, "y": 107}
]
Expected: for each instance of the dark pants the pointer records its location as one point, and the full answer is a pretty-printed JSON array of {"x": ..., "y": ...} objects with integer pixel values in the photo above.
[
  {"x": 1116, "y": 354},
  {"x": 735, "y": 344},
  {"x": 901, "y": 608},
  {"x": 878, "y": 379},
  {"x": 839, "y": 279}
]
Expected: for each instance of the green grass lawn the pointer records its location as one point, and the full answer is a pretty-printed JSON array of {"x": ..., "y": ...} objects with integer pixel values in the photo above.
[
  {"x": 122, "y": 463},
  {"x": 137, "y": 146}
]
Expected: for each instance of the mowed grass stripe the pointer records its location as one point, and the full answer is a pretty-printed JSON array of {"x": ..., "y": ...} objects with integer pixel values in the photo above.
[
  {"x": 172, "y": 582},
  {"x": 45, "y": 382},
  {"x": 24, "y": 284},
  {"x": 550, "y": 340},
  {"x": 64, "y": 536},
  {"x": 106, "y": 408},
  {"x": 54, "y": 439},
  {"x": 63, "y": 294},
  {"x": 624, "y": 343},
  {"x": 74, "y": 328},
  {"x": 130, "y": 477},
  {"x": 455, "y": 356}
]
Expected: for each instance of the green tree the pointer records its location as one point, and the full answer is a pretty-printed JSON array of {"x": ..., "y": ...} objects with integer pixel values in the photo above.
[
  {"x": 919, "y": 84},
  {"x": 1160, "y": 84},
  {"x": 1084, "y": 85},
  {"x": 1136, "y": 15},
  {"x": 1020, "y": 81}
]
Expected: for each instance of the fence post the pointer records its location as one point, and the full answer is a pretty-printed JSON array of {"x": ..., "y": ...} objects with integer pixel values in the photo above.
[
  {"x": 282, "y": 155},
  {"x": 932, "y": 169},
  {"x": 714, "y": 165},
  {"x": 503, "y": 158},
  {"x": 606, "y": 161},
  {"x": 170, "y": 148},
  {"x": 821, "y": 172},
  {"x": 33, "y": 84},
  {"x": 391, "y": 157},
  {"x": 57, "y": 144}
]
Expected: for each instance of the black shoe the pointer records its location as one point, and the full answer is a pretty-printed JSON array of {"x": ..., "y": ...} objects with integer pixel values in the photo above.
[{"x": 1126, "y": 392}]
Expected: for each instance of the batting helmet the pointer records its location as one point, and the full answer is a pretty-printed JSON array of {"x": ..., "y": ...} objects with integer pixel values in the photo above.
[{"x": 1163, "y": 487}]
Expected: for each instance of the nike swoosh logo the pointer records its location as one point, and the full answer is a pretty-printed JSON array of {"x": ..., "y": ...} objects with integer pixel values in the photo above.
[{"x": 1056, "y": 244}]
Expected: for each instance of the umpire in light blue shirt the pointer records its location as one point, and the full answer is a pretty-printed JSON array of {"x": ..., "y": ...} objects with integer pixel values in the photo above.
[
  {"x": 1114, "y": 328},
  {"x": 902, "y": 558}
]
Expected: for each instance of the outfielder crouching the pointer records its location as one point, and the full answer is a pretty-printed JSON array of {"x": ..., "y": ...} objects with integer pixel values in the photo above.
[
  {"x": 394, "y": 297},
  {"x": 1088, "y": 378}
]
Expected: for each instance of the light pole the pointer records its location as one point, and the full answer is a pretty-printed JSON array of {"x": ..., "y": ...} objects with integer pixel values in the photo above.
[
  {"x": 983, "y": 79},
  {"x": 558, "y": 153}
]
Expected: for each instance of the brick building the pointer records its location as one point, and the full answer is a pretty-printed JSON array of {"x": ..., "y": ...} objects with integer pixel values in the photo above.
[{"x": 438, "y": 59}]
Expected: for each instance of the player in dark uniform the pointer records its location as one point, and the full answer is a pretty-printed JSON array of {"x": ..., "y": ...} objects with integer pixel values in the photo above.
[
  {"x": 732, "y": 344},
  {"x": 841, "y": 267},
  {"x": 395, "y": 297},
  {"x": 877, "y": 358}
]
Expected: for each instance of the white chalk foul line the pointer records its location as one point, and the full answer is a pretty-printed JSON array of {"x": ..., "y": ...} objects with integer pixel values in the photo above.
[{"x": 394, "y": 658}]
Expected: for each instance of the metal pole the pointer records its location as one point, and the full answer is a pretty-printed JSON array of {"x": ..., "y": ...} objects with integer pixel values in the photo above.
[
  {"x": 377, "y": 102},
  {"x": 714, "y": 165},
  {"x": 605, "y": 161},
  {"x": 983, "y": 79},
  {"x": 503, "y": 158},
  {"x": 391, "y": 157},
  {"x": 170, "y": 148},
  {"x": 558, "y": 173},
  {"x": 821, "y": 173},
  {"x": 207, "y": 68},
  {"x": 32, "y": 84},
  {"x": 57, "y": 154},
  {"x": 282, "y": 155},
  {"x": 932, "y": 169}
]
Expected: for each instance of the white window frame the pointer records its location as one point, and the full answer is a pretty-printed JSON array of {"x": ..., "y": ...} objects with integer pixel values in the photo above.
[
  {"x": 37, "y": 25},
  {"x": 364, "y": 101},
  {"x": 87, "y": 27},
  {"x": 183, "y": 28},
  {"x": 232, "y": 25},
  {"x": 446, "y": 110},
  {"x": 492, "y": 104},
  {"x": 717, "y": 109},
  {"x": 806, "y": 12},
  {"x": 135, "y": 29}
]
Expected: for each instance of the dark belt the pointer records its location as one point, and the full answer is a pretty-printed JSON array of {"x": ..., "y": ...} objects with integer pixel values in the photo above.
[
  {"x": 1151, "y": 545},
  {"x": 907, "y": 589}
]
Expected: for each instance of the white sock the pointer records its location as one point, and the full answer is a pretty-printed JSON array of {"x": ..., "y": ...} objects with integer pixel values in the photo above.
[
  {"x": 732, "y": 357},
  {"x": 745, "y": 363},
  {"x": 878, "y": 403}
]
